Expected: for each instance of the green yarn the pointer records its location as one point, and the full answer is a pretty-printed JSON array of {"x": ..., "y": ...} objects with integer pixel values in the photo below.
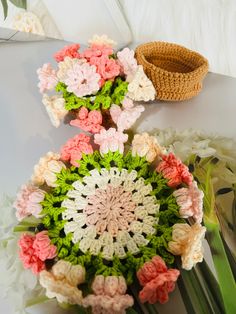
[
  {"x": 88, "y": 163},
  {"x": 137, "y": 163},
  {"x": 112, "y": 160},
  {"x": 65, "y": 179},
  {"x": 112, "y": 92}
]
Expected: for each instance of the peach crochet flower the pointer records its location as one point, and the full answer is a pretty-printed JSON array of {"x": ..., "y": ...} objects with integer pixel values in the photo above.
[
  {"x": 88, "y": 121},
  {"x": 124, "y": 119},
  {"x": 174, "y": 170},
  {"x": 157, "y": 281},
  {"x": 110, "y": 140},
  {"x": 147, "y": 146},
  {"x": 46, "y": 170},
  {"x": 62, "y": 281},
  {"x": 128, "y": 62},
  {"x": 107, "y": 68},
  {"x": 187, "y": 242},
  {"x": 82, "y": 79},
  {"x": 74, "y": 148},
  {"x": 68, "y": 51},
  {"x": 28, "y": 201},
  {"x": 34, "y": 250},
  {"x": 109, "y": 296},
  {"x": 55, "y": 106},
  {"x": 102, "y": 40},
  {"x": 190, "y": 201},
  {"x": 47, "y": 78}
]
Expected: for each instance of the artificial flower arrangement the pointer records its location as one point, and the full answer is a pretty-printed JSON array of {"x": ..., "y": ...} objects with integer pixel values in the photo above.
[
  {"x": 93, "y": 85},
  {"x": 106, "y": 213}
]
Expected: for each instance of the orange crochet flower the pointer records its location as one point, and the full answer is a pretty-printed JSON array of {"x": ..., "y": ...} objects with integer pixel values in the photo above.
[
  {"x": 174, "y": 170},
  {"x": 157, "y": 281}
]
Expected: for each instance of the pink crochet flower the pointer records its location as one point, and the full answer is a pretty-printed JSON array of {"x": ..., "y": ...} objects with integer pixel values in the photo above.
[
  {"x": 110, "y": 140},
  {"x": 124, "y": 119},
  {"x": 43, "y": 247},
  {"x": 88, "y": 121},
  {"x": 127, "y": 62},
  {"x": 157, "y": 281},
  {"x": 47, "y": 78},
  {"x": 97, "y": 51},
  {"x": 107, "y": 68},
  {"x": 74, "y": 147},
  {"x": 28, "y": 201},
  {"x": 34, "y": 251},
  {"x": 82, "y": 79},
  {"x": 109, "y": 296},
  {"x": 174, "y": 170},
  {"x": 68, "y": 51},
  {"x": 190, "y": 201}
]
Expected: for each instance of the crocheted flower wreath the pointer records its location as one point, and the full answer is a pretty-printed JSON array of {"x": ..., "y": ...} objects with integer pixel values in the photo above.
[
  {"x": 92, "y": 83},
  {"x": 106, "y": 217}
]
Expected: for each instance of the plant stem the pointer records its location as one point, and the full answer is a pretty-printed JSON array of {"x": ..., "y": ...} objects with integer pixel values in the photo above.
[
  {"x": 37, "y": 300},
  {"x": 225, "y": 276}
]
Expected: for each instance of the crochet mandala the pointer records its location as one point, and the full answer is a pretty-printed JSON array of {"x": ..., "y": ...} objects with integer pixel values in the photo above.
[{"x": 104, "y": 212}]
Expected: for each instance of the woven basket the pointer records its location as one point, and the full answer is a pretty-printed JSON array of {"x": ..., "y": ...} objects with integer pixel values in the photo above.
[{"x": 175, "y": 71}]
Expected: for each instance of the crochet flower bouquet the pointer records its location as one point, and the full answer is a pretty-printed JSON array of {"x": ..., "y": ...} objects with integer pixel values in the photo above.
[
  {"x": 109, "y": 210},
  {"x": 91, "y": 85}
]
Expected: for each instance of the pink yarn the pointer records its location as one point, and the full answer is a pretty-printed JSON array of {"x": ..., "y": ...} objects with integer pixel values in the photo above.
[
  {"x": 74, "y": 147},
  {"x": 157, "y": 281},
  {"x": 107, "y": 68},
  {"x": 28, "y": 201},
  {"x": 68, "y": 51},
  {"x": 47, "y": 78},
  {"x": 190, "y": 201},
  {"x": 174, "y": 170},
  {"x": 34, "y": 250},
  {"x": 88, "y": 121},
  {"x": 127, "y": 61},
  {"x": 96, "y": 51},
  {"x": 109, "y": 297},
  {"x": 110, "y": 140},
  {"x": 82, "y": 79},
  {"x": 43, "y": 247}
]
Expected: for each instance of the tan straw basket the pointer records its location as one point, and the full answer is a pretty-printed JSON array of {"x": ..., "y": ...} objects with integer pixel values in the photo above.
[{"x": 175, "y": 71}]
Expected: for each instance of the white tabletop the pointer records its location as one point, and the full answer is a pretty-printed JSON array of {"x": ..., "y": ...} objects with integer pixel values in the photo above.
[{"x": 26, "y": 132}]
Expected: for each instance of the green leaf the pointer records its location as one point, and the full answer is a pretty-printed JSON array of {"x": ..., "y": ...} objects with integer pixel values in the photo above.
[
  {"x": 5, "y": 8},
  {"x": 19, "y": 3}
]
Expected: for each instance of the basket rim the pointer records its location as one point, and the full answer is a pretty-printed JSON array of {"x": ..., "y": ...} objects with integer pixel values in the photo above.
[{"x": 202, "y": 69}]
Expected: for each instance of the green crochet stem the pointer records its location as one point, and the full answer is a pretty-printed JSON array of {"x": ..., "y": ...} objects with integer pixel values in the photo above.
[
  {"x": 110, "y": 93},
  {"x": 158, "y": 243}
]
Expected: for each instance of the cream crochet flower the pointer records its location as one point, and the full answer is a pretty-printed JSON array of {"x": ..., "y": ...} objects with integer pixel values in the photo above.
[
  {"x": 55, "y": 106},
  {"x": 62, "y": 281},
  {"x": 28, "y": 22},
  {"x": 187, "y": 242},
  {"x": 102, "y": 40},
  {"x": 141, "y": 88},
  {"x": 46, "y": 170},
  {"x": 146, "y": 145}
]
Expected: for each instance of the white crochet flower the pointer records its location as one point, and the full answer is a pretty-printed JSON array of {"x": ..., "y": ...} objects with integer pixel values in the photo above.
[
  {"x": 55, "y": 106},
  {"x": 47, "y": 169},
  {"x": 28, "y": 22},
  {"x": 141, "y": 88},
  {"x": 111, "y": 212},
  {"x": 187, "y": 242},
  {"x": 62, "y": 281},
  {"x": 102, "y": 40},
  {"x": 65, "y": 65}
]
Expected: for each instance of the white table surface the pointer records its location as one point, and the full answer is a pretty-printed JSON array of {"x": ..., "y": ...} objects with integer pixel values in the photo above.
[{"x": 26, "y": 132}]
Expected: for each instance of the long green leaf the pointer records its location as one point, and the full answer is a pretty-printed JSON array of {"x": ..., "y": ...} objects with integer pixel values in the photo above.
[
  {"x": 5, "y": 8},
  {"x": 19, "y": 3}
]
